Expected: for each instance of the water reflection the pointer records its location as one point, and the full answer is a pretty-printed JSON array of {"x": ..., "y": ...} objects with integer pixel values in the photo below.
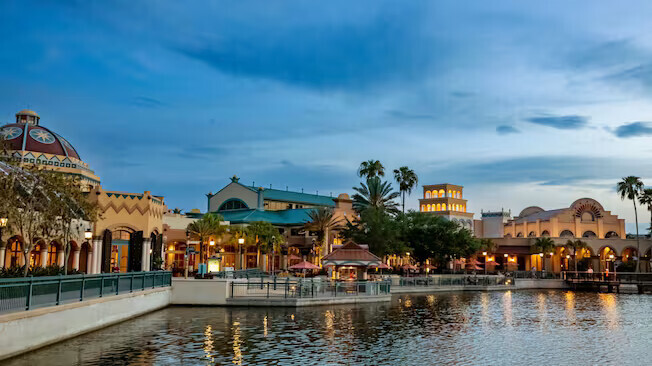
[{"x": 522, "y": 327}]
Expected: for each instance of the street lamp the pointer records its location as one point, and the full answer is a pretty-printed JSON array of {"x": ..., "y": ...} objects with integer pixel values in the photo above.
[
  {"x": 88, "y": 234},
  {"x": 3, "y": 224},
  {"x": 241, "y": 242}
]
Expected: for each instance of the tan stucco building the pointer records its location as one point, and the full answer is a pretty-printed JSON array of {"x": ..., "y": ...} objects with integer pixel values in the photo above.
[{"x": 446, "y": 200}]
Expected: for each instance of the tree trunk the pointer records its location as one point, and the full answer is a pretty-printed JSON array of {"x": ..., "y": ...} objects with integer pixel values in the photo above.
[
  {"x": 26, "y": 260},
  {"x": 403, "y": 202},
  {"x": 638, "y": 240}
]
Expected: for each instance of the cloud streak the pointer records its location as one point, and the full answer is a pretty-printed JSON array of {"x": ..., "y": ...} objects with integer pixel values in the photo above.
[
  {"x": 634, "y": 129},
  {"x": 570, "y": 122},
  {"x": 507, "y": 130}
]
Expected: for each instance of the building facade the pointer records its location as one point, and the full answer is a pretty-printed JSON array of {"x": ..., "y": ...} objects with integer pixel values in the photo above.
[
  {"x": 585, "y": 219},
  {"x": 446, "y": 200},
  {"x": 128, "y": 233}
]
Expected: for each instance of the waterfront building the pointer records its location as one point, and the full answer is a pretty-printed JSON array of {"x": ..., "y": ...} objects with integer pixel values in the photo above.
[
  {"x": 128, "y": 234},
  {"x": 446, "y": 200},
  {"x": 350, "y": 262},
  {"x": 585, "y": 219}
]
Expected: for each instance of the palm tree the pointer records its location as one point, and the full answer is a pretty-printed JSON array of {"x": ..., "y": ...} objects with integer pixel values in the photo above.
[
  {"x": 321, "y": 220},
  {"x": 576, "y": 245},
  {"x": 371, "y": 168},
  {"x": 630, "y": 188},
  {"x": 406, "y": 179},
  {"x": 544, "y": 245},
  {"x": 375, "y": 194},
  {"x": 646, "y": 199},
  {"x": 205, "y": 228}
]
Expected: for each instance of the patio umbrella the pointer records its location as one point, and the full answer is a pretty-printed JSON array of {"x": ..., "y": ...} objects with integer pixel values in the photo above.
[
  {"x": 472, "y": 261},
  {"x": 293, "y": 257},
  {"x": 304, "y": 265},
  {"x": 409, "y": 267}
]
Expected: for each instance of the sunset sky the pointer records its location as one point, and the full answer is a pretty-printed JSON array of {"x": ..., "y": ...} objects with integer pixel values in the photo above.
[{"x": 524, "y": 103}]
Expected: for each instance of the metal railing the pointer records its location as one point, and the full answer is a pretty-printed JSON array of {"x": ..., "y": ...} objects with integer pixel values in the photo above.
[
  {"x": 241, "y": 273},
  {"x": 539, "y": 275},
  {"x": 27, "y": 293},
  {"x": 455, "y": 280},
  {"x": 308, "y": 289},
  {"x": 622, "y": 277}
]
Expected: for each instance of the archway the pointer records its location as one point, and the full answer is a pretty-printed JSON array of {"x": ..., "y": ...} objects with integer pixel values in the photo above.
[
  {"x": 35, "y": 255},
  {"x": 607, "y": 258},
  {"x": 532, "y": 234},
  {"x": 629, "y": 254},
  {"x": 611, "y": 234},
  {"x": 584, "y": 258},
  {"x": 566, "y": 234},
  {"x": 519, "y": 235},
  {"x": 121, "y": 238},
  {"x": 54, "y": 251},
  {"x": 14, "y": 252},
  {"x": 589, "y": 234},
  {"x": 83, "y": 257},
  {"x": 545, "y": 233}
]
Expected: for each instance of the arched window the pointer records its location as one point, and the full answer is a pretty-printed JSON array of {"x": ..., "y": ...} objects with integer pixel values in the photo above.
[
  {"x": 427, "y": 194},
  {"x": 53, "y": 253},
  {"x": 423, "y": 208},
  {"x": 545, "y": 233},
  {"x": 566, "y": 234},
  {"x": 438, "y": 207},
  {"x": 233, "y": 204},
  {"x": 587, "y": 216},
  {"x": 428, "y": 209},
  {"x": 611, "y": 234},
  {"x": 532, "y": 234},
  {"x": 121, "y": 233},
  {"x": 589, "y": 234},
  {"x": 443, "y": 207},
  {"x": 519, "y": 235},
  {"x": 441, "y": 193}
]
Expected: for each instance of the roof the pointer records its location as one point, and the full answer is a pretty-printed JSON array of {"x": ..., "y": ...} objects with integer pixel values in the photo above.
[
  {"x": 541, "y": 215},
  {"x": 294, "y": 217},
  {"x": 289, "y": 196},
  {"x": 351, "y": 254},
  {"x": 37, "y": 139}
]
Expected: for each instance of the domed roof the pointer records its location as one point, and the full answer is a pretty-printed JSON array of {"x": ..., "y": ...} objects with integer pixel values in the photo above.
[{"x": 35, "y": 138}]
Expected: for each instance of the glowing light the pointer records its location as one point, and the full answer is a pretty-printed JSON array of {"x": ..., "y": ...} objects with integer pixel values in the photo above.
[
  {"x": 212, "y": 242},
  {"x": 484, "y": 253},
  {"x": 241, "y": 241}
]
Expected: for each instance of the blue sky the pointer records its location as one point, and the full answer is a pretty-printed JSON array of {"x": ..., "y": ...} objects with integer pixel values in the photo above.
[{"x": 523, "y": 103}]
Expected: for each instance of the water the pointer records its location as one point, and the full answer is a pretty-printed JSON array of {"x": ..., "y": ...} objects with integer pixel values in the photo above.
[{"x": 481, "y": 328}]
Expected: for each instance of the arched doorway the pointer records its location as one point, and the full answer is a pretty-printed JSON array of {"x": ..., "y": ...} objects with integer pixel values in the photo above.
[
  {"x": 54, "y": 251},
  {"x": 584, "y": 260},
  {"x": 35, "y": 255},
  {"x": 607, "y": 259},
  {"x": 83, "y": 257},
  {"x": 14, "y": 253},
  {"x": 120, "y": 239}
]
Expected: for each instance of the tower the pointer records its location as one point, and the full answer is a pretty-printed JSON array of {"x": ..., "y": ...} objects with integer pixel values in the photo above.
[{"x": 446, "y": 200}]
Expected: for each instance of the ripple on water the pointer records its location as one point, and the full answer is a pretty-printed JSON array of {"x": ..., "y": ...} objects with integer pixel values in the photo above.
[{"x": 484, "y": 328}]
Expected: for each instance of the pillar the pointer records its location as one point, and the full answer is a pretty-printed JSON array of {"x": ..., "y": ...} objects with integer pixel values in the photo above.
[
  {"x": 97, "y": 254},
  {"x": 2, "y": 256},
  {"x": 75, "y": 259},
  {"x": 61, "y": 257},
  {"x": 89, "y": 260},
  {"x": 44, "y": 255},
  {"x": 147, "y": 244},
  {"x": 262, "y": 262},
  {"x": 284, "y": 261}
]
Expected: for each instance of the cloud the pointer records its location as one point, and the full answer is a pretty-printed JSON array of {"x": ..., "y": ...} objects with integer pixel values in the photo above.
[
  {"x": 570, "y": 122},
  {"x": 640, "y": 75},
  {"x": 506, "y": 130},
  {"x": 407, "y": 115},
  {"x": 328, "y": 55},
  {"x": 147, "y": 102},
  {"x": 634, "y": 129}
]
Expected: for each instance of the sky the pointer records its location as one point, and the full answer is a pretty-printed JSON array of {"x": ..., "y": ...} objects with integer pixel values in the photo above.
[{"x": 523, "y": 103}]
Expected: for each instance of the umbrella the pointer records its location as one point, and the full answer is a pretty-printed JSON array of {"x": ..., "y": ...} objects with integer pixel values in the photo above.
[
  {"x": 293, "y": 257},
  {"x": 304, "y": 265},
  {"x": 429, "y": 266},
  {"x": 492, "y": 263},
  {"x": 410, "y": 267},
  {"x": 472, "y": 261}
]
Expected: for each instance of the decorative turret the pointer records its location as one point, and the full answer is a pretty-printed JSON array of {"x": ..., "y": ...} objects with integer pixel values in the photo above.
[{"x": 28, "y": 116}]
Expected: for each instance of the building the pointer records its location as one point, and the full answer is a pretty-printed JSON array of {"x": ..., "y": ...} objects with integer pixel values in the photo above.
[
  {"x": 128, "y": 235},
  {"x": 446, "y": 200},
  {"x": 241, "y": 204},
  {"x": 585, "y": 219}
]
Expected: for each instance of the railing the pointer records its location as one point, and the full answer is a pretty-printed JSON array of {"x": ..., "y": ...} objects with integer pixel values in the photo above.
[
  {"x": 308, "y": 289},
  {"x": 622, "y": 277},
  {"x": 454, "y": 280},
  {"x": 241, "y": 273},
  {"x": 538, "y": 275},
  {"x": 27, "y": 293}
]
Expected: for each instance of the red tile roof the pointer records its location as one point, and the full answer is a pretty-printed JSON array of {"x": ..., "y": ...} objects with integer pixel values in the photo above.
[{"x": 351, "y": 252}]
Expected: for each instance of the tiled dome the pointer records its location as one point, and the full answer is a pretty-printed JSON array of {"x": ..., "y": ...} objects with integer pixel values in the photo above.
[{"x": 27, "y": 135}]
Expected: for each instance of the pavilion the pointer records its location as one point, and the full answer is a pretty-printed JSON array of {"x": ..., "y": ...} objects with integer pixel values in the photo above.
[{"x": 350, "y": 261}]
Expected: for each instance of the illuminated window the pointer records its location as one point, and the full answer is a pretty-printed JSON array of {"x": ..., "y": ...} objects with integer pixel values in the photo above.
[
  {"x": 428, "y": 208},
  {"x": 439, "y": 207},
  {"x": 423, "y": 208},
  {"x": 443, "y": 207},
  {"x": 427, "y": 194},
  {"x": 441, "y": 193}
]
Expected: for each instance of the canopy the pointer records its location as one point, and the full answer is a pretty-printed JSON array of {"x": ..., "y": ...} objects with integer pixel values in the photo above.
[
  {"x": 410, "y": 267},
  {"x": 293, "y": 257},
  {"x": 492, "y": 263},
  {"x": 381, "y": 266},
  {"x": 304, "y": 265},
  {"x": 351, "y": 254},
  {"x": 472, "y": 261}
]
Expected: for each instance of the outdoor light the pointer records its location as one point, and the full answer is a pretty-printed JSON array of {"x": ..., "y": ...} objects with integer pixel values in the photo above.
[
  {"x": 540, "y": 254},
  {"x": 567, "y": 256},
  {"x": 506, "y": 255},
  {"x": 88, "y": 234},
  {"x": 611, "y": 256},
  {"x": 3, "y": 221},
  {"x": 212, "y": 242},
  {"x": 484, "y": 253},
  {"x": 551, "y": 254},
  {"x": 408, "y": 254},
  {"x": 241, "y": 241}
]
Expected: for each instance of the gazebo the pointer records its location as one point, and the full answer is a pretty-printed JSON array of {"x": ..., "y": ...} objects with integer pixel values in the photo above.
[{"x": 350, "y": 262}]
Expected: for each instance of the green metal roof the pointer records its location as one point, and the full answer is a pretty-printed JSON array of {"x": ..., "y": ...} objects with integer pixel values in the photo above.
[
  {"x": 295, "y": 217},
  {"x": 289, "y": 196}
]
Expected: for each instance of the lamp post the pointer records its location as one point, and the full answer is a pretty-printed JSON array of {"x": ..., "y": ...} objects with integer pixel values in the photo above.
[
  {"x": 240, "y": 243},
  {"x": 185, "y": 256},
  {"x": 541, "y": 258},
  {"x": 506, "y": 260},
  {"x": 484, "y": 254},
  {"x": 273, "y": 241},
  {"x": 3, "y": 224}
]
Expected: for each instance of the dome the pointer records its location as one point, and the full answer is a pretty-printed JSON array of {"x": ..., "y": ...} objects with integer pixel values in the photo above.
[{"x": 31, "y": 137}]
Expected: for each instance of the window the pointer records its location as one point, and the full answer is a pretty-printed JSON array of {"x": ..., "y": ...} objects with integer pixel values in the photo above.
[{"x": 233, "y": 204}]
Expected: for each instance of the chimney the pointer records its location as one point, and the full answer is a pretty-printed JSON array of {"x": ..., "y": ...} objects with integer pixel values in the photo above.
[{"x": 261, "y": 200}]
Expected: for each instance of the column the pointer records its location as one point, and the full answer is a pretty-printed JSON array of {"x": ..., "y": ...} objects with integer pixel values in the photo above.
[
  {"x": 75, "y": 259},
  {"x": 97, "y": 254},
  {"x": 284, "y": 261},
  {"x": 44, "y": 255},
  {"x": 2, "y": 256},
  {"x": 61, "y": 257},
  {"x": 147, "y": 243},
  {"x": 89, "y": 260}
]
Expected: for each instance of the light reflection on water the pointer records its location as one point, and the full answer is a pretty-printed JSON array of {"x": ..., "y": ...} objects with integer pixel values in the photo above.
[{"x": 522, "y": 327}]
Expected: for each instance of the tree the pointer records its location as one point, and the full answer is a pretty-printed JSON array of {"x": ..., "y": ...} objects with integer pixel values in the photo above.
[
  {"x": 488, "y": 245},
  {"x": 544, "y": 245},
  {"x": 646, "y": 200},
  {"x": 377, "y": 229},
  {"x": 265, "y": 236},
  {"x": 407, "y": 180},
  {"x": 576, "y": 245},
  {"x": 322, "y": 220},
  {"x": 371, "y": 168},
  {"x": 205, "y": 228},
  {"x": 375, "y": 194},
  {"x": 630, "y": 187}
]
